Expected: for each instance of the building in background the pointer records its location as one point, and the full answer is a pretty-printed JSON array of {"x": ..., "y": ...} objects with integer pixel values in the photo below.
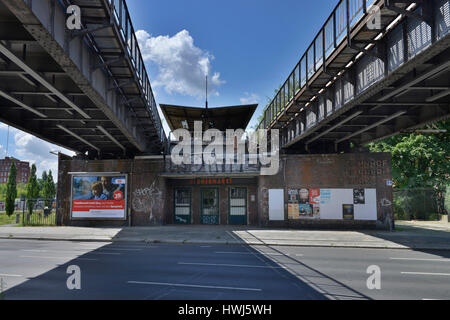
[{"x": 23, "y": 170}]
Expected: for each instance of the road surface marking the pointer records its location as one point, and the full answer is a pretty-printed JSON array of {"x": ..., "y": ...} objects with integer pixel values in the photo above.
[
  {"x": 105, "y": 253},
  {"x": 35, "y": 250},
  {"x": 427, "y": 273},
  {"x": 253, "y": 253},
  {"x": 68, "y": 258},
  {"x": 192, "y": 286},
  {"x": 94, "y": 243},
  {"x": 116, "y": 249},
  {"x": 10, "y": 275},
  {"x": 229, "y": 265},
  {"x": 414, "y": 259}
]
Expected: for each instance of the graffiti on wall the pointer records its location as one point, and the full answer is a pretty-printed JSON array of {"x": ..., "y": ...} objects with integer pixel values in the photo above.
[
  {"x": 144, "y": 199},
  {"x": 385, "y": 202}
]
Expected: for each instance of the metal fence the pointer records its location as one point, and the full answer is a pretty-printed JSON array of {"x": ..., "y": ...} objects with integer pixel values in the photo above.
[
  {"x": 38, "y": 219},
  {"x": 43, "y": 214},
  {"x": 419, "y": 204}
]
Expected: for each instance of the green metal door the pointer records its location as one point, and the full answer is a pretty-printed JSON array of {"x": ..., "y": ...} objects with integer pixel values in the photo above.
[
  {"x": 237, "y": 206},
  {"x": 182, "y": 206},
  {"x": 210, "y": 206}
]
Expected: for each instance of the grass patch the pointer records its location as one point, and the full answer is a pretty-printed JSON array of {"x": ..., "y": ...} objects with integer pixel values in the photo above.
[
  {"x": 4, "y": 219},
  {"x": 37, "y": 219}
]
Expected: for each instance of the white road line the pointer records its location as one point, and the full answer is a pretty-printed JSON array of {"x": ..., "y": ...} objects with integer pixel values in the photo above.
[
  {"x": 100, "y": 244},
  {"x": 414, "y": 259},
  {"x": 253, "y": 253},
  {"x": 67, "y": 258},
  {"x": 35, "y": 250},
  {"x": 118, "y": 247},
  {"x": 105, "y": 253},
  {"x": 427, "y": 274},
  {"x": 192, "y": 286},
  {"x": 114, "y": 249},
  {"x": 229, "y": 265},
  {"x": 10, "y": 275}
]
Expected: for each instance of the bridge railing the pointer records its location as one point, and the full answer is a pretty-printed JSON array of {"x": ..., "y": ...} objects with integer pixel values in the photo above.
[
  {"x": 344, "y": 17},
  {"x": 121, "y": 17}
]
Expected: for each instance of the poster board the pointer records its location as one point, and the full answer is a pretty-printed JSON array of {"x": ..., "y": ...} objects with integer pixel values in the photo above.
[
  {"x": 99, "y": 196},
  {"x": 332, "y": 204},
  {"x": 276, "y": 205}
]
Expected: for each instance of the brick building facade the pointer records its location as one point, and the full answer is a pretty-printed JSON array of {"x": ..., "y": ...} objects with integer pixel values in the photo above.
[
  {"x": 352, "y": 190},
  {"x": 23, "y": 170}
]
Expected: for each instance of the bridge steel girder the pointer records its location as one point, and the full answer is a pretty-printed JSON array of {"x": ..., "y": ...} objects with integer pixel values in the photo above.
[
  {"x": 401, "y": 99},
  {"x": 45, "y": 20}
]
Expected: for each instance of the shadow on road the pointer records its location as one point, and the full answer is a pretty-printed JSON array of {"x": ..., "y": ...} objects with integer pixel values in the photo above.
[{"x": 177, "y": 272}]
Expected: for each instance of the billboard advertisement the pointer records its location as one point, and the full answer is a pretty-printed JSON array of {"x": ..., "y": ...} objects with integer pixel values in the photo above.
[{"x": 99, "y": 196}]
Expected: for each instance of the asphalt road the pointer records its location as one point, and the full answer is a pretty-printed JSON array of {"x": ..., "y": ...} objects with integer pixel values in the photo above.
[{"x": 38, "y": 270}]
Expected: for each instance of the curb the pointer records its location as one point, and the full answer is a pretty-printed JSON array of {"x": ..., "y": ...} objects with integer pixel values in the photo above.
[{"x": 234, "y": 242}]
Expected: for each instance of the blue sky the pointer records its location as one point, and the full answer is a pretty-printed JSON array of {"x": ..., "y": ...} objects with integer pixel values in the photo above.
[
  {"x": 248, "y": 48},
  {"x": 255, "y": 44}
]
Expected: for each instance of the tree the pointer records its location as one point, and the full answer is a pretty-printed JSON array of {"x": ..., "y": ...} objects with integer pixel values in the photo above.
[
  {"x": 49, "y": 190},
  {"x": 32, "y": 189},
  {"x": 418, "y": 160},
  {"x": 11, "y": 190},
  {"x": 42, "y": 182}
]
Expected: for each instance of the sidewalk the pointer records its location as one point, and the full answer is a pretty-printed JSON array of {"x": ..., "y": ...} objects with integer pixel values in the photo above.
[{"x": 417, "y": 238}]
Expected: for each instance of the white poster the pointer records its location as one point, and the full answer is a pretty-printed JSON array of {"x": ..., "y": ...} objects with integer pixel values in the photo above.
[{"x": 276, "y": 205}]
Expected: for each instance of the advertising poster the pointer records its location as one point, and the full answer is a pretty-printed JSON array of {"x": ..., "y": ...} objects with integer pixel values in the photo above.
[
  {"x": 348, "y": 211},
  {"x": 316, "y": 212},
  {"x": 293, "y": 211},
  {"x": 293, "y": 196},
  {"x": 303, "y": 204},
  {"x": 303, "y": 195},
  {"x": 305, "y": 210},
  {"x": 359, "y": 196},
  {"x": 314, "y": 196},
  {"x": 292, "y": 204},
  {"x": 99, "y": 197}
]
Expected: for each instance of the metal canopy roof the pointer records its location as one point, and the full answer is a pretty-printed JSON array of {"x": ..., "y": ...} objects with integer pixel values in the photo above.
[{"x": 223, "y": 118}]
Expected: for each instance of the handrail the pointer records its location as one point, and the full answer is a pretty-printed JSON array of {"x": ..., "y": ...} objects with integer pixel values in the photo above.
[
  {"x": 343, "y": 18},
  {"x": 122, "y": 20}
]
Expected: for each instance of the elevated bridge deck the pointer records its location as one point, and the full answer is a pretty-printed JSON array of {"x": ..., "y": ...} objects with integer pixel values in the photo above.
[
  {"x": 369, "y": 74},
  {"x": 86, "y": 90}
]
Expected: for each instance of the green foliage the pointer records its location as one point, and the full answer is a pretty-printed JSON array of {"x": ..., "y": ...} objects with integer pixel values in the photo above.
[
  {"x": 41, "y": 183},
  {"x": 11, "y": 190},
  {"x": 48, "y": 191},
  {"x": 419, "y": 161},
  {"x": 32, "y": 189}
]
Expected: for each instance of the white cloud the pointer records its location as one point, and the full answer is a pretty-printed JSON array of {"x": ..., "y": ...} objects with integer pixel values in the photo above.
[
  {"x": 250, "y": 98},
  {"x": 37, "y": 151},
  {"x": 182, "y": 66}
]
